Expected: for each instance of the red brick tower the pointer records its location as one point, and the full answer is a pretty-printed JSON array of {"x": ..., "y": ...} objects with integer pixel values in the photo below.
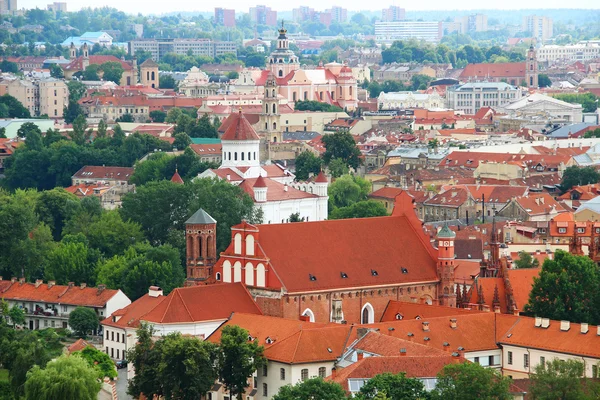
[
  {"x": 201, "y": 246},
  {"x": 445, "y": 265}
]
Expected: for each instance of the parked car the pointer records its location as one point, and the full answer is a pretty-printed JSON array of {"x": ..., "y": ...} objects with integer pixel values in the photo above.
[{"x": 121, "y": 364}]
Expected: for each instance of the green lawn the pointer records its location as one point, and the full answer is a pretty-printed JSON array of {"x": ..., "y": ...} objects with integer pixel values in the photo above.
[{"x": 3, "y": 375}]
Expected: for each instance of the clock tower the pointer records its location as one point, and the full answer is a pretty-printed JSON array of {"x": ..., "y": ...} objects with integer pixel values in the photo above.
[{"x": 445, "y": 266}]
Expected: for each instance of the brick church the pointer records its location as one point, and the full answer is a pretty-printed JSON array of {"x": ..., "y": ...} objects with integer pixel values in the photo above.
[{"x": 343, "y": 271}]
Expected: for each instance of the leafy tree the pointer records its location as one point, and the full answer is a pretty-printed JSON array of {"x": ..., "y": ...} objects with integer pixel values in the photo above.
[
  {"x": 83, "y": 320},
  {"x": 101, "y": 131},
  {"x": 311, "y": 105},
  {"x": 558, "y": 379},
  {"x": 347, "y": 190},
  {"x": 14, "y": 106},
  {"x": 98, "y": 360},
  {"x": 341, "y": 145},
  {"x": 111, "y": 235},
  {"x": 125, "y": 118},
  {"x": 182, "y": 141},
  {"x": 567, "y": 288},
  {"x": 470, "y": 381},
  {"x": 361, "y": 209},
  {"x": 167, "y": 82},
  {"x": 9, "y": 66},
  {"x": 295, "y": 217},
  {"x": 578, "y": 176},
  {"x": 526, "y": 260},
  {"x": 16, "y": 315},
  {"x": 66, "y": 378},
  {"x": 76, "y": 90},
  {"x": 2, "y": 133},
  {"x": 395, "y": 386},
  {"x": 72, "y": 111},
  {"x": 237, "y": 359},
  {"x": 71, "y": 261},
  {"x": 338, "y": 167},
  {"x": 306, "y": 163},
  {"x": 158, "y": 115},
  {"x": 91, "y": 73},
  {"x": 587, "y": 100},
  {"x": 27, "y": 128},
  {"x": 56, "y": 71},
  {"x": 78, "y": 134},
  {"x": 173, "y": 115},
  {"x": 54, "y": 207},
  {"x": 112, "y": 71},
  {"x": 315, "y": 388},
  {"x": 544, "y": 81}
]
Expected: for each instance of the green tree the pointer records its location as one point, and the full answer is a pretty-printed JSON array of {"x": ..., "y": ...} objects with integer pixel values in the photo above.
[
  {"x": 27, "y": 128},
  {"x": 111, "y": 235},
  {"x": 66, "y": 378},
  {"x": 315, "y": 388},
  {"x": 395, "y": 386},
  {"x": 54, "y": 207},
  {"x": 83, "y": 320},
  {"x": 347, "y": 190},
  {"x": 98, "y": 360},
  {"x": 71, "y": 261},
  {"x": 307, "y": 163},
  {"x": 158, "y": 115},
  {"x": 470, "y": 381},
  {"x": 544, "y": 81},
  {"x": 125, "y": 118},
  {"x": 56, "y": 71},
  {"x": 295, "y": 217},
  {"x": 182, "y": 141},
  {"x": 578, "y": 176},
  {"x": 311, "y": 105},
  {"x": 341, "y": 145},
  {"x": 101, "y": 131},
  {"x": 72, "y": 111},
  {"x": 526, "y": 260},
  {"x": 76, "y": 90},
  {"x": 338, "y": 167},
  {"x": 16, "y": 315},
  {"x": 568, "y": 288},
  {"x": 78, "y": 134},
  {"x": 112, "y": 71},
  {"x": 2, "y": 133},
  {"x": 91, "y": 73},
  {"x": 167, "y": 82},
  {"x": 237, "y": 359},
  {"x": 14, "y": 106},
  {"x": 558, "y": 379},
  {"x": 361, "y": 209}
]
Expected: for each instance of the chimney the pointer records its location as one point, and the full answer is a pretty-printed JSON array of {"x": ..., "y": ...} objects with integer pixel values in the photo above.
[
  {"x": 38, "y": 282},
  {"x": 285, "y": 187},
  {"x": 333, "y": 372},
  {"x": 598, "y": 330},
  {"x": 425, "y": 326},
  {"x": 13, "y": 279},
  {"x": 565, "y": 326},
  {"x": 403, "y": 352},
  {"x": 584, "y": 327},
  {"x": 359, "y": 355},
  {"x": 228, "y": 177},
  {"x": 538, "y": 322},
  {"x": 545, "y": 323},
  {"x": 446, "y": 346},
  {"x": 155, "y": 291},
  {"x": 51, "y": 283},
  {"x": 21, "y": 280},
  {"x": 71, "y": 284},
  {"x": 453, "y": 323},
  {"x": 101, "y": 288},
  {"x": 83, "y": 285},
  {"x": 455, "y": 355}
]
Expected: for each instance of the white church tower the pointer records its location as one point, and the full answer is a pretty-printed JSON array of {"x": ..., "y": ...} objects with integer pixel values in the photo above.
[{"x": 241, "y": 147}]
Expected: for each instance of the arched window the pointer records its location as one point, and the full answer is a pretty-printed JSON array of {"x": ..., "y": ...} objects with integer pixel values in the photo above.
[
  {"x": 249, "y": 279},
  {"x": 266, "y": 125},
  {"x": 350, "y": 91},
  {"x": 266, "y": 108},
  {"x": 153, "y": 76},
  {"x": 332, "y": 95},
  {"x": 229, "y": 157},
  {"x": 254, "y": 156},
  {"x": 367, "y": 314},
  {"x": 242, "y": 156},
  {"x": 274, "y": 109},
  {"x": 274, "y": 125},
  {"x": 249, "y": 240},
  {"x": 274, "y": 139},
  {"x": 260, "y": 275},
  {"x": 218, "y": 276},
  {"x": 227, "y": 271},
  {"x": 294, "y": 96},
  {"x": 280, "y": 72},
  {"x": 282, "y": 374},
  {"x": 304, "y": 374},
  {"x": 237, "y": 243},
  {"x": 273, "y": 93},
  {"x": 308, "y": 313},
  {"x": 148, "y": 75},
  {"x": 305, "y": 95},
  {"x": 237, "y": 271},
  {"x": 235, "y": 156}
]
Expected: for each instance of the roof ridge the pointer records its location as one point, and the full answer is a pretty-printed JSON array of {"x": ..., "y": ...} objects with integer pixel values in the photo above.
[
  {"x": 166, "y": 308},
  {"x": 184, "y": 304}
]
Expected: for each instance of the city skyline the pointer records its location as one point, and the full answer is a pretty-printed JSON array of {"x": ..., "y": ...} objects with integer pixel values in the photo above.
[{"x": 134, "y": 6}]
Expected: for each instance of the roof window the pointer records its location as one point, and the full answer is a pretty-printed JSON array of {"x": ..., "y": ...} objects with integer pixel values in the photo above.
[
  {"x": 312, "y": 277},
  {"x": 374, "y": 273},
  {"x": 344, "y": 275},
  {"x": 404, "y": 270}
]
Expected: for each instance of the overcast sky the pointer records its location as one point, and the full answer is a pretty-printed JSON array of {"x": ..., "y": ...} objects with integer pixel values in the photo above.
[{"x": 154, "y": 6}]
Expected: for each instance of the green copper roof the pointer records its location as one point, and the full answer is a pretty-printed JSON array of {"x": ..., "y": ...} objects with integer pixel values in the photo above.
[
  {"x": 201, "y": 217},
  {"x": 445, "y": 232}
]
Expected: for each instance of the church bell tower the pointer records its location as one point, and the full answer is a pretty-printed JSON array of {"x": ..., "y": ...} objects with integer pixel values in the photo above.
[
  {"x": 445, "y": 265},
  {"x": 531, "y": 72},
  {"x": 201, "y": 246},
  {"x": 270, "y": 116}
]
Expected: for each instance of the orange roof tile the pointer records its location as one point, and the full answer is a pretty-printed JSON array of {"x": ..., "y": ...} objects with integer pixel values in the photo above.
[
  {"x": 129, "y": 317},
  {"x": 389, "y": 346},
  {"x": 539, "y": 204},
  {"x": 276, "y": 191},
  {"x": 414, "y": 310},
  {"x": 73, "y": 295},
  {"x": 79, "y": 345},
  {"x": 239, "y": 128},
  {"x": 176, "y": 178},
  {"x": 498, "y": 70}
]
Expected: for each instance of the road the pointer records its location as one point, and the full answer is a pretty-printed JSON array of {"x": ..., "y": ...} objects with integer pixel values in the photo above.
[{"x": 122, "y": 385}]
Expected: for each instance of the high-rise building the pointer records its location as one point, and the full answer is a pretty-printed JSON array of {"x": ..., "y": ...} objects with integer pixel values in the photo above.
[
  {"x": 388, "y": 32},
  {"x": 225, "y": 17},
  {"x": 198, "y": 47},
  {"x": 338, "y": 14},
  {"x": 8, "y": 7},
  {"x": 303, "y": 13},
  {"x": 393, "y": 13},
  {"x": 58, "y": 6},
  {"x": 540, "y": 27},
  {"x": 263, "y": 15},
  {"x": 468, "y": 23}
]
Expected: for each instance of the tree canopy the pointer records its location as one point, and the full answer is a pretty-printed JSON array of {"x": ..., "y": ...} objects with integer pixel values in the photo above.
[
  {"x": 526, "y": 260},
  {"x": 347, "y": 190},
  {"x": 314, "y": 388},
  {"x": 395, "y": 387},
  {"x": 568, "y": 288},
  {"x": 341, "y": 145},
  {"x": 83, "y": 320},
  {"x": 307, "y": 163},
  {"x": 470, "y": 381},
  {"x": 561, "y": 379},
  {"x": 578, "y": 176}
]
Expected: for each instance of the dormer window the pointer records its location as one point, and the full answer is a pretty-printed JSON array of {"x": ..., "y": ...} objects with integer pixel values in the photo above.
[
  {"x": 404, "y": 270},
  {"x": 312, "y": 277},
  {"x": 344, "y": 275},
  {"x": 268, "y": 340},
  {"x": 399, "y": 316},
  {"x": 374, "y": 273}
]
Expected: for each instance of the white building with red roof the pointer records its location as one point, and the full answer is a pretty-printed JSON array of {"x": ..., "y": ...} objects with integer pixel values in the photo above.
[{"x": 271, "y": 186}]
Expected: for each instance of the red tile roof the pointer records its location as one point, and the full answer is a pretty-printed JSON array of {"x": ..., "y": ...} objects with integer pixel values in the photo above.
[
  {"x": 239, "y": 129},
  {"x": 498, "y": 70},
  {"x": 207, "y": 149},
  {"x": 455, "y": 197},
  {"x": 385, "y": 345},
  {"x": 414, "y": 310},
  {"x": 129, "y": 317},
  {"x": 276, "y": 191},
  {"x": 321, "y": 178},
  {"x": 539, "y": 204},
  {"x": 386, "y": 193},
  {"x": 471, "y": 159},
  {"x": 73, "y": 295},
  {"x": 176, "y": 178},
  {"x": 77, "y": 64},
  {"x": 203, "y": 303},
  {"x": 79, "y": 345}
]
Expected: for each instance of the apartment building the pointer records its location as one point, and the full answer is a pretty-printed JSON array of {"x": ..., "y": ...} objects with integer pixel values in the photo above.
[
  {"x": 263, "y": 15},
  {"x": 8, "y": 7},
  {"x": 46, "y": 96},
  {"x": 471, "y": 96},
  {"x": 57, "y": 6},
  {"x": 338, "y": 14},
  {"x": 393, "y": 13},
  {"x": 582, "y": 51},
  {"x": 47, "y": 305},
  {"x": 225, "y": 17},
  {"x": 472, "y": 23},
  {"x": 388, "y": 32},
  {"x": 540, "y": 27},
  {"x": 198, "y": 47}
]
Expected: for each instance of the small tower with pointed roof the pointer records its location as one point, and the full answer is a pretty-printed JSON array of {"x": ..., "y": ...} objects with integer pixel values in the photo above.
[
  {"x": 85, "y": 56},
  {"x": 149, "y": 74},
  {"x": 176, "y": 178},
  {"x": 201, "y": 246},
  {"x": 531, "y": 65},
  {"x": 240, "y": 144},
  {"x": 445, "y": 266},
  {"x": 260, "y": 190},
  {"x": 72, "y": 52}
]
